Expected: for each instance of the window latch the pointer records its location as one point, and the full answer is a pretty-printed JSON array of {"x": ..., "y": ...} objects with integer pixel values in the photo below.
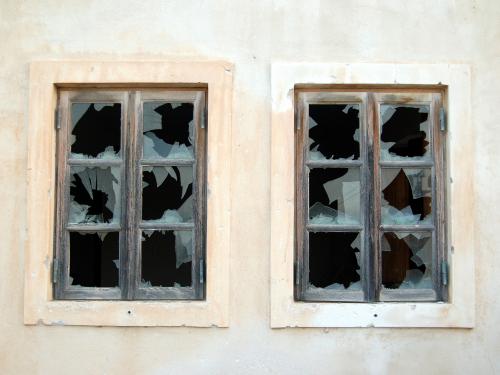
[
  {"x": 55, "y": 270},
  {"x": 442, "y": 119},
  {"x": 444, "y": 272}
]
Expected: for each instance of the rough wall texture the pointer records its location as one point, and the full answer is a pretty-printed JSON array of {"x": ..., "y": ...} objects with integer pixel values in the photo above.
[{"x": 251, "y": 34}]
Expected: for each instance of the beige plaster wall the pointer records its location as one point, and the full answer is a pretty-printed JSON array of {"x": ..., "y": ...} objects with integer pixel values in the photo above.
[{"x": 251, "y": 34}]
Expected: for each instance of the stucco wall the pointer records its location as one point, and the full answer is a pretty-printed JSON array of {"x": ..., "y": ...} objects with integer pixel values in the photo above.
[{"x": 251, "y": 34}]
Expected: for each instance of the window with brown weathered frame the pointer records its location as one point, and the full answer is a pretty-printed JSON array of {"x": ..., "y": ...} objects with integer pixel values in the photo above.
[
  {"x": 130, "y": 220},
  {"x": 370, "y": 194}
]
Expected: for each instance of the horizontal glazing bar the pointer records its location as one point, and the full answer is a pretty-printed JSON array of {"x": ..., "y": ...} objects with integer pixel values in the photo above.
[
  {"x": 406, "y": 164},
  {"x": 333, "y": 228},
  {"x": 166, "y": 226},
  {"x": 166, "y": 162},
  {"x": 406, "y": 228},
  {"x": 93, "y": 227},
  {"x": 95, "y": 162},
  {"x": 333, "y": 163}
]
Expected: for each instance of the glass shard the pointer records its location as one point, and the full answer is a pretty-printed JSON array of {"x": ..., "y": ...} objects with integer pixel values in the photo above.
[
  {"x": 95, "y": 130},
  {"x": 333, "y": 131},
  {"x": 166, "y": 258},
  {"x": 334, "y": 260},
  {"x": 168, "y": 130},
  {"x": 406, "y": 196},
  {"x": 93, "y": 259},
  {"x": 94, "y": 195},
  {"x": 405, "y": 132},
  {"x": 334, "y": 196},
  {"x": 407, "y": 260},
  {"x": 167, "y": 194}
]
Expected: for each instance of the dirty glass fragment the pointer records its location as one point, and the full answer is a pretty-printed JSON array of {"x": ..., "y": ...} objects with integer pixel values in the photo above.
[
  {"x": 167, "y": 194},
  {"x": 94, "y": 259},
  {"x": 334, "y": 196},
  {"x": 407, "y": 260},
  {"x": 406, "y": 196},
  {"x": 333, "y": 131},
  {"x": 95, "y": 130},
  {"x": 334, "y": 259},
  {"x": 94, "y": 195},
  {"x": 405, "y": 132},
  {"x": 166, "y": 258},
  {"x": 168, "y": 130}
]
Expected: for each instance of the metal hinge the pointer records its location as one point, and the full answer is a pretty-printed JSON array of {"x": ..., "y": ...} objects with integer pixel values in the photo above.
[
  {"x": 297, "y": 274},
  {"x": 202, "y": 276},
  {"x": 204, "y": 118},
  {"x": 55, "y": 270},
  {"x": 57, "y": 119},
  {"x": 444, "y": 272},
  {"x": 442, "y": 119}
]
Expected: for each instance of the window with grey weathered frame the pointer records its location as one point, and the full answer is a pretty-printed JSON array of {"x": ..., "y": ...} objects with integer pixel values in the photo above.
[
  {"x": 130, "y": 208},
  {"x": 370, "y": 194}
]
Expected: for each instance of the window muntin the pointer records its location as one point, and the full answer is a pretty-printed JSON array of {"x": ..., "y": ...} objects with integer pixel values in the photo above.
[
  {"x": 369, "y": 196},
  {"x": 130, "y": 213}
]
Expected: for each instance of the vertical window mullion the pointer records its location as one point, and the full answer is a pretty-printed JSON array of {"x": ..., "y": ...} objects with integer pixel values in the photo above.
[
  {"x": 129, "y": 195},
  {"x": 375, "y": 264}
]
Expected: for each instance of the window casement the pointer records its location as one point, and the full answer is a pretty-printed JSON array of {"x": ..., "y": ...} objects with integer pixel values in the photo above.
[
  {"x": 370, "y": 195},
  {"x": 130, "y": 208}
]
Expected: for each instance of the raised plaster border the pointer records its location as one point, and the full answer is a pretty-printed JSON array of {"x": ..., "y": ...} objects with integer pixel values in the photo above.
[
  {"x": 460, "y": 310},
  {"x": 39, "y": 306}
]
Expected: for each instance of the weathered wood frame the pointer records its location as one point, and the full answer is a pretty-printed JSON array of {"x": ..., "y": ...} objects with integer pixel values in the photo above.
[
  {"x": 46, "y": 78},
  {"x": 370, "y": 167},
  {"x": 131, "y": 164},
  {"x": 458, "y": 310}
]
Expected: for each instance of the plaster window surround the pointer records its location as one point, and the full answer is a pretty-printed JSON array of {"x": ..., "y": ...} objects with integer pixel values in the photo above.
[
  {"x": 458, "y": 308},
  {"x": 46, "y": 78}
]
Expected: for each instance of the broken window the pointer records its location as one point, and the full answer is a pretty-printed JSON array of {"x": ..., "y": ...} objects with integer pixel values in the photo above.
[
  {"x": 370, "y": 196},
  {"x": 130, "y": 215}
]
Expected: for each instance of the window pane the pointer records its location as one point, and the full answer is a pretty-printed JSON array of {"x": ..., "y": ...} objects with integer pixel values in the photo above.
[
  {"x": 406, "y": 196},
  {"x": 94, "y": 195},
  {"x": 168, "y": 130},
  {"x": 167, "y": 194},
  {"x": 94, "y": 259},
  {"x": 334, "y": 196},
  {"x": 405, "y": 132},
  {"x": 334, "y": 260},
  {"x": 95, "y": 130},
  {"x": 166, "y": 258},
  {"x": 333, "y": 131},
  {"x": 407, "y": 260}
]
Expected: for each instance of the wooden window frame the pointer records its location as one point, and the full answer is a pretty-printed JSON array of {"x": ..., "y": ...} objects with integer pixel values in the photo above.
[
  {"x": 370, "y": 165},
  {"x": 46, "y": 78},
  {"x": 131, "y": 164},
  {"x": 459, "y": 308}
]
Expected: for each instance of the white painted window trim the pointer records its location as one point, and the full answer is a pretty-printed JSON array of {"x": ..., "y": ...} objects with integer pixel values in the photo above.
[
  {"x": 459, "y": 311},
  {"x": 39, "y": 306}
]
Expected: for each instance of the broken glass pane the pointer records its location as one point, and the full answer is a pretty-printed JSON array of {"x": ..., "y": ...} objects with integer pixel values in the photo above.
[
  {"x": 334, "y": 196},
  {"x": 407, "y": 260},
  {"x": 167, "y": 194},
  {"x": 334, "y": 259},
  {"x": 94, "y": 195},
  {"x": 406, "y": 196},
  {"x": 168, "y": 130},
  {"x": 94, "y": 259},
  {"x": 405, "y": 132},
  {"x": 333, "y": 131},
  {"x": 166, "y": 258},
  {"x": 95, "y": 130}
]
